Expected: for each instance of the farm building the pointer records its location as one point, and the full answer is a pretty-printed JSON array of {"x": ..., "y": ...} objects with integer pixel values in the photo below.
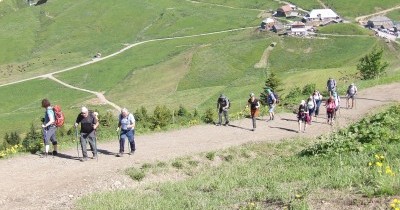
[
  {"x": 267, "y": 23},
  {"x": 322, "y": 15},
  {"x": 380, "y": 22},
  {"x": 285, "y": 10},
  {"x": 298, "y": 28}
]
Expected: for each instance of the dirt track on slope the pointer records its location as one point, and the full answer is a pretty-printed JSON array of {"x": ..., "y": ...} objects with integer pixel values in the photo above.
[{"x": 30, "y": 182}]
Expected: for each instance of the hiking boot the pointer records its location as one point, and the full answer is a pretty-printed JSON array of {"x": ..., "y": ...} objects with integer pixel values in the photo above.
[
  {"x": 227, "y": 123},
  {"x": 84, "y": 159},
  {"x": 120, "y": 154},
  {"x": 94, "y": 156},
  {"x": 131, "y": 152},
  {"x": 55, "y": 153},
  {"x": 218, "y": 124},
  {"x": 44, "y": 155}
]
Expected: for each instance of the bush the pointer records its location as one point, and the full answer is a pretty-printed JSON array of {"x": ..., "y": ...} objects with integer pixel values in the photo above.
[
  {"x": 11, "y": 139},
  {"x": 107, "y": 120},
  {"x": 33, "y": 140},
  {"x": 371, "y": 65},
  {"x": 208, "y": 116},
  {"x": 308, "y": 89},
  {"x": 162, "y": 117},
  {"x": 177, "y": 164},
  {"x": 210, "y": 155},
  {"x": 136, "y": 174}
]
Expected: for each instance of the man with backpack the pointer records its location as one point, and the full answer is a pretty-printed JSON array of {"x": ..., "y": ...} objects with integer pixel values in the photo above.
[
  {"x": 126, "y": 123},
  {"x": 223, "y": 105},
  {"x": 49, "y": 128},
  {"x": 331, "y": 85},
  {"x": 303, "y": 116},
  {"x": 351, "y": 93},
  {"x": 89, "y": 124},
  {"x": 271, "y": 100}
]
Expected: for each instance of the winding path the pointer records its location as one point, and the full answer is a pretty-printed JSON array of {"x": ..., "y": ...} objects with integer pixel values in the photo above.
[
  {"x": 361, "y": 18},
  {"x": 30, "y": 182}
]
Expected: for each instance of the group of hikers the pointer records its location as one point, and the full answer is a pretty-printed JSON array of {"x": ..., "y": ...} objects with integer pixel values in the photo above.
[
  {"x": 307, "y": 109},
  {"x": 89, "y": 121}
]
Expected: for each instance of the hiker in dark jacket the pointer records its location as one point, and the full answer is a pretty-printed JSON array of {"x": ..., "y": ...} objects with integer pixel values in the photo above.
[
  {"x": 223, "y": 108},
  {"x": 89, "y": 124}
]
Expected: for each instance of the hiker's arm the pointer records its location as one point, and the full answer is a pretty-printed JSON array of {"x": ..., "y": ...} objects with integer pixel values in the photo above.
[{"x": 132, "y": 122}]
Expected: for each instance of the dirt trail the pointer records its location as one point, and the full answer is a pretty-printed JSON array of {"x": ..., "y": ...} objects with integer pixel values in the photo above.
[
  {"x": 361, "y": 18},
  {"x": 30, "y": 182}
]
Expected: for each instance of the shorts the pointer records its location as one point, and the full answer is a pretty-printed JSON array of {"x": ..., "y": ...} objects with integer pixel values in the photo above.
[
  {"x": 271, "y": 108},
  {"x": 351, "y": 96},
  {"x": 254, "y": 113}
]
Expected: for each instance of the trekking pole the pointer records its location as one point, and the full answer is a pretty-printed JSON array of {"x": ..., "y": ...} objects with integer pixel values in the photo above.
[
  {"x": 95, "y": 146},
  {"x": 77, "y": 141}
]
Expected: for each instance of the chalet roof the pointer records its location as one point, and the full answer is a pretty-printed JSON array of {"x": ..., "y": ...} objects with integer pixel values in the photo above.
[
  {"x": 268, "y": 20},
  {"x": 298, "y": 23},
  {"x": 286, "y": 8},
  {"x": 325, "y": 13}
]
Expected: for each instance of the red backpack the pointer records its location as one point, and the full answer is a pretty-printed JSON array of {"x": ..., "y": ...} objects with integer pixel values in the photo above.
[
  {"x": 59, "y": 116},
  {"x": 331, "y": 107}
]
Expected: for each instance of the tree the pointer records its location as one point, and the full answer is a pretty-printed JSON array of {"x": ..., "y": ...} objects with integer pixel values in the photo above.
[
  {"x": 371, "y": 65},
  {"x": 272, "y": 83},
  {"x": 162, "y": 117}
]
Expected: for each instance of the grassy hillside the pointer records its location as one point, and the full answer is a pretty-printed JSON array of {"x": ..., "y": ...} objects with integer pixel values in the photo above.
[
  {"x": 394, "y": 15},
  {"x": 59, "y": 34},
  {"x": 190, "y": 71}
]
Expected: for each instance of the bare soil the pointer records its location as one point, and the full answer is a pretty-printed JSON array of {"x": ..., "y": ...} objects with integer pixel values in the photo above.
[{"x": 31, "y": 182}]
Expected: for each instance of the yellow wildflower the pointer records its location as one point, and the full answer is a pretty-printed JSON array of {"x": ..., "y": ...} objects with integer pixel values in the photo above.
[
  {"x": 379, "y": 164},
  {"x": 370, "y": 164},
  {"x": 376, "y": 156},
  {"x": 382, "y": 157},
  {"x": 392, "y": 205}
]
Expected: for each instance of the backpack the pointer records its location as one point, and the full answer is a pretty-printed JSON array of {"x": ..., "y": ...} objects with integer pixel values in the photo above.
[
  {"x": 331, "y": 107},
  {"x": 310, "y": 105},
  {"x": 331, "y": 84},
  {"x": 351, "y": 90},
  {"x": 59, "y": 117},
  {"x": 223, "y": 101},
  {"x": 269, "y": 99}
]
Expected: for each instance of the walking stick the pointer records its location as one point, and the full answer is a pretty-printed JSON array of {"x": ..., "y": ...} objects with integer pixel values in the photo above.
[{"x": 77, "y": 141}]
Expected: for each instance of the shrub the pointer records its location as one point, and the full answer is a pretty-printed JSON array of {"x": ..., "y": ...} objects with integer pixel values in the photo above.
[
  {"x": 208, "y": 116},
  {"x": 107, "y": 120},
  {"x": 308, "y": 89},
  {"x": 177, "y": 164},
  {"x": 136, "y": 174},
  {"x": 371, "y": 65},
  {"x": 210, "y": 155},
  {"x": 33, "y": 140},
  {"x": 162, "y": 117}
]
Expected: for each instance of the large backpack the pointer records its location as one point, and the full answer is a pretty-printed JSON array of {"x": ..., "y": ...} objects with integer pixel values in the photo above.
[
  {"x": 351, "y": 90},
  {"x": 222, "y": 101},
  {"x": 59, "y": 116},
  {"x": 331, "y": 84},
  {"x": 331, "y": 107},
  {"x": 269, "y": 99}
]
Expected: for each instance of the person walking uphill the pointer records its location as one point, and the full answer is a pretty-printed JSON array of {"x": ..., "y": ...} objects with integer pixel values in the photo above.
[
  {"x": 271, "y": 100},
  {"x": 49, "y": 128},
  {"x": 89, "y": 124},
  {"x": 223, "y": 105},
  {"x": 126, "y": 123},
  {"x": 254, "y": 104}
]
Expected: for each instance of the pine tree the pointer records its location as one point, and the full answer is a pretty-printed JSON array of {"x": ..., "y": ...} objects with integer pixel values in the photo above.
[
  {"x": 272, "y": 83},
  {"x": 371, "y": 65}
]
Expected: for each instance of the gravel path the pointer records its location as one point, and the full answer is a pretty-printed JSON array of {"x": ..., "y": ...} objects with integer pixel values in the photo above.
[{"x": 31, "y": 182}]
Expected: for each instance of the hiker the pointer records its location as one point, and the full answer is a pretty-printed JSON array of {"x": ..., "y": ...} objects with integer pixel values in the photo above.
[
  {"x": 126, "y": 123},
  {"x": 223, "y": 105},
  {"x": 318, "y": 100},
  {"x": 303, "y": 116},
  {"x": 311, "y": 105},
  {"x": 351, "y": 93},
  {"x": 271, "y": 100},
  {"x": 331, "y": 85},
  {"x": 330, "y": 109},
  {"x": 49, "y": 128},
  {"x": 254, "y": 104},
  {"x": 89, "y": 124},
  {"x": 336, "y": 98}
]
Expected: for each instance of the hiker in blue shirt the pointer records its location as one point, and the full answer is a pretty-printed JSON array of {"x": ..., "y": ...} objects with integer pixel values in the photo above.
[
  {"x": 126, "y": 123},
  {"x": 49, "y": 128}
]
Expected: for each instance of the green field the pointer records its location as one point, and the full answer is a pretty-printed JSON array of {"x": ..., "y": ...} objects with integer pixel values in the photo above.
[
  {"x": 394, "y": 15},
  {"x": 351, "y": 9}
]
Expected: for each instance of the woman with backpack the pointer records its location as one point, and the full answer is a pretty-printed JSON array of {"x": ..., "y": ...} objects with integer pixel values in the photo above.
[
  {"x": 311, "y": 105},
  {"x": 330, "y": 109},
  {"x": 318, "y": 100},
  {"x": 254, "y": 104},
  {"x": 351, "y": 93},
  {"x": 302, "y": 115}
]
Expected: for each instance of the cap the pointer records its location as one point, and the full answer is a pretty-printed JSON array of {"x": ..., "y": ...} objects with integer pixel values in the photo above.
[
  {"x": 251, "y": 94},
  {"x": 84, "y": 109}
]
